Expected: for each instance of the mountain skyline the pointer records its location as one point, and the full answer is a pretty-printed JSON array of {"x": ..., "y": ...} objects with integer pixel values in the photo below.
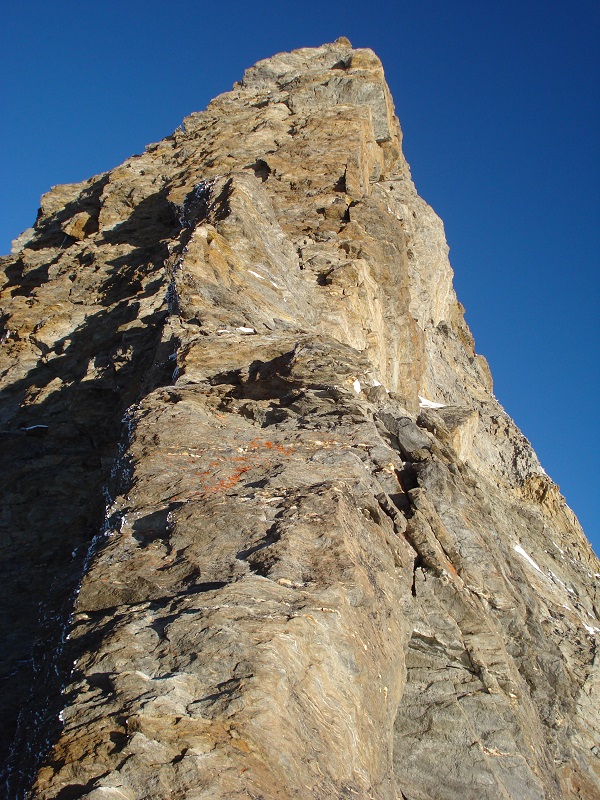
[{"x": 499, "y": 112}]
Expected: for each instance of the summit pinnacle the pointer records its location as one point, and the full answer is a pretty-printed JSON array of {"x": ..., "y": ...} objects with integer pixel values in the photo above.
[{"x": 267, "y": 531}]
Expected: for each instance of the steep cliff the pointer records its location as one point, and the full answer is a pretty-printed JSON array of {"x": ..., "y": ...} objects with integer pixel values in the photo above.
[{"x": 267, "y": 532}]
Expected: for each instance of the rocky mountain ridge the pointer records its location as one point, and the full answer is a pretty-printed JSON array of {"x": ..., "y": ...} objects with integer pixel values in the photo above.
[{"x": 270, "y": 532}]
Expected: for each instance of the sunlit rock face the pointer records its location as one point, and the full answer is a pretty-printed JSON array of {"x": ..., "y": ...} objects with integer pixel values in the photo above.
[{"x": 268, "y": 533}]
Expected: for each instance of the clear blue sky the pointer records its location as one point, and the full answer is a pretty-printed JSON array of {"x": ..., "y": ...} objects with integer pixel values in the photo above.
[{"x": 499, "y": 103}]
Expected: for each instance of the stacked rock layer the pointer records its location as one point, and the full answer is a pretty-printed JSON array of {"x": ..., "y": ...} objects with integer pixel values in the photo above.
[{"x": 268, "y": 533}]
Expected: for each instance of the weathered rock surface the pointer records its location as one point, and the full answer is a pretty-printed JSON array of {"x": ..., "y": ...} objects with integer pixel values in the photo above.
[{"x": 318, "y": 559}]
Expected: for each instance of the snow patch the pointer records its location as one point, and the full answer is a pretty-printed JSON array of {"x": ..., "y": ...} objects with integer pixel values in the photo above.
[
  {"x": 425, "y": 403},
  {"x": 356, "y": 386},
  {"x": 556, "y": 579},
  {"x": 256, "y": 275},
  {"x": 246, "y": 330},
  {"x": 527, "y": 557},
  {"x": 592, "y": 631}
]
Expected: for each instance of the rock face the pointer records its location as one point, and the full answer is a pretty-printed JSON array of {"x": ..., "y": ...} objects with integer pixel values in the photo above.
[{"x": 268, "y": 533}]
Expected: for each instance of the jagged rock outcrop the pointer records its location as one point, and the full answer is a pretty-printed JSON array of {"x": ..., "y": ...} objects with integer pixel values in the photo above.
[{"x": 268, "y": 533}]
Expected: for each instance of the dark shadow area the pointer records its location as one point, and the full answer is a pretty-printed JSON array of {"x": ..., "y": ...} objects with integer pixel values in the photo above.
[
  {"x": 259, "y": 561},
  {"x": 155, "y": 526},
  {"x": 209, "y": 586},
  {"x": 102, "y": 681},
  {"x": 76, "y": 790},
  {"x": 261, "y": 169},
  {"x": 340, "y": 184},
  {"x": 49, "y": 232},
  {"x": 26, "y": 281},
  {"x": 219, "y": 209},
  {"x": 60, "y": 430},
  {"x": 153, "y": 218}
]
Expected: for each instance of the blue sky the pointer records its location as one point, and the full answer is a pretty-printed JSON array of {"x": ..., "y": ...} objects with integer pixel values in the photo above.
[{"x": 500, "y": 108}]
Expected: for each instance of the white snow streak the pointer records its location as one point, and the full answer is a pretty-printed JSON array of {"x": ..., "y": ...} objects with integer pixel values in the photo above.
[
  {"x": 425, "y": 403},
  {"x": 590, "y": 630},
  {"x": 527, "y": 557}
]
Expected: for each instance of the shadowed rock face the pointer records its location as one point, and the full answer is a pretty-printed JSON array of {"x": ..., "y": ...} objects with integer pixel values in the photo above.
[{"x": 268, "y": 533}]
